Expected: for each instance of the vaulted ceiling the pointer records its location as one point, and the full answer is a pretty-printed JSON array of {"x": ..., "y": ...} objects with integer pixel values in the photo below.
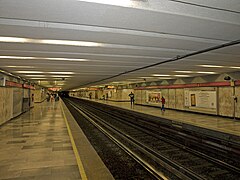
[{"x": 74, "y": 43}]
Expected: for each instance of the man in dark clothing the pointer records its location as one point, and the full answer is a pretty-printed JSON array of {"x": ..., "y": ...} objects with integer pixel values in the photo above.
[
  {"x": 131, "y": 95},
  {"x": 163, "y": 102}
]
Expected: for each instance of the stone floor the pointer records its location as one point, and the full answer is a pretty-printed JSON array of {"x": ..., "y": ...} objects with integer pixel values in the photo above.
[{"x": 36, "y": 145}]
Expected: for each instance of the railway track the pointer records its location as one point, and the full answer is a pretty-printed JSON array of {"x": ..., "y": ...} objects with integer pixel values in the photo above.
[{"x": 156, "y": 149}]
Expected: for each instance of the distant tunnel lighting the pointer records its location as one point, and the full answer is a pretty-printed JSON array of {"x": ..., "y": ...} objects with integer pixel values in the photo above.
[
  {"x": 210, "y": 66},
  {"x": 49, "y": 41},
  {"x": 44, "y": 58},
  {"x": 163, "y": 75}
]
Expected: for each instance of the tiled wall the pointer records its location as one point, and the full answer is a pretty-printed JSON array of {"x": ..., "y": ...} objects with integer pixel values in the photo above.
[
  {"x": 237, "y": 104},
  {"x": 179, "y": 99},
  {"x": 6, "y": 104},
  {"x": 172, "y": 98},
  {"x": 226, "y": 101},
  {"x": 175, "y": 100},
  {"x": 17, "y": 101},
  {"x": 39, "y": 95}
]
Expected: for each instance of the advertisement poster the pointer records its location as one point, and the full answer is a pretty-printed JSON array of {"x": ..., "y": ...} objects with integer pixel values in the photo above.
[
  {"x": 153, "y": 97},
  {"x": 203, "y": 99},
  {"x": 193, "y": 99}
]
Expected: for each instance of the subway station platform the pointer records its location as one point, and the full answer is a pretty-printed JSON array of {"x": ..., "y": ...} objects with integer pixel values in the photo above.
[
  {"x": 44, "y": 143},
  {"x": 47, "y": 143},
  {"x": 211, "y": 122}
]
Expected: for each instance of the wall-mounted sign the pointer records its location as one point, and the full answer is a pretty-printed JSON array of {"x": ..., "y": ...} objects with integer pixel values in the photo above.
[
  {"x": 13, "y": 84},
  {"x": 153, "y": 97},
  {"x": 54, "y": 89},
  {"x": 28, "y": 86},
  {"x": 203, "y": 99}
]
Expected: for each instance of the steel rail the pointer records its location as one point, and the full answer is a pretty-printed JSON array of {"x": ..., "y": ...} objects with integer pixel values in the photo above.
[
  {"x": 199, "y": 154},
  {"x": 173, "y": 167}
]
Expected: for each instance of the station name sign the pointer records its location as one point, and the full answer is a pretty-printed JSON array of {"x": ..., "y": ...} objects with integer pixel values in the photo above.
[{"x": 19, "y": 85}]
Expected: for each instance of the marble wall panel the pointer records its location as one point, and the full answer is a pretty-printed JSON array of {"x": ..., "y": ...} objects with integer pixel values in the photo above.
[
  {"x": 17, "y": 101},
  {"x": 138, "y": 96},
  {"x": 37, "y": 95},
  {"x": 179, "y": 99},
  {"x": 144, "y": 96},
  {"x": 32, "y": 98},
  {"x": 225, "y": 100},
  {"x": 119, "y": 94},
  {"x": 172, "y": 98},
  {"x": 124, "y": 94},
  {"x": 6, "y": 104},
  {"x": 237, "y": 104},
  {"x": 26, "y": 93}
]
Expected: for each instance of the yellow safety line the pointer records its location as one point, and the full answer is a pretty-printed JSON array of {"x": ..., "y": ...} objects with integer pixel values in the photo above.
[{"x": 79, "y": 162}]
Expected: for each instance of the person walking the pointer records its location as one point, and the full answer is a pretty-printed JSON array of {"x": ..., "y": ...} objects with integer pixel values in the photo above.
[
  {"x": 163, "y": 103},
  {"x": 131, "y": 95}
]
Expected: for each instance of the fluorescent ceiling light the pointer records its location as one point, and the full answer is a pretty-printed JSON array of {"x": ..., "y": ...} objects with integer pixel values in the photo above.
[
  {"x": 134, "y": 79},
  {"x": 165, "y": 78},
  {"x": 38, "y": 78},
  {"x": 112, "y": 2},
  {"x": 184, "y": 71},
  {"x": 203, "y": 72},
  {"x": 210, "y": 66},
  {"x": 30, "y": 72},
  {"x": 61, "y": 73},
  {"x": 16, "y": 57},
  {"x": 44, "y": 58},
  {"x": 35, "y": 75},
  {"x": 147, "y": 77},
  {"x": 13, "y": 39},
  {"x": 235, "y": 67},
  {"x": 164, "y": 75},
  {"x": 182, "y": 75},
  {"x": 64, "y": 59},
  {"x": 20, "y": 66},
  {"x": 60, "y": 76},
  {"x": 49, "y": 41}
]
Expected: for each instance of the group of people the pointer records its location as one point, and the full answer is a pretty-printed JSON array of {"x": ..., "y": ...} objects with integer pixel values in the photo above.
[
  {"x": 131, "y": 95},
  {"x": 52, "y": 97}
]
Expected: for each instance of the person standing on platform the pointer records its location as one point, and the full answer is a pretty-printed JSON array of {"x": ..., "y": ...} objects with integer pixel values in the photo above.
[
  {"x": 131, "y": 95},
  {"x": 51, "y": 98},
  {"x": 163, "y": 103}
]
